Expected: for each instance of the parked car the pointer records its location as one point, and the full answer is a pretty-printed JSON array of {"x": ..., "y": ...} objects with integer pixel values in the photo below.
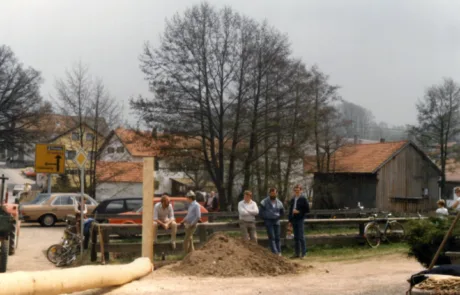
[
  {"x": 179, "y": 204},
  {"x": 47, "y": 209},
  {"x": 117, "y": 205},
  {"x": 29, "y": 172}
]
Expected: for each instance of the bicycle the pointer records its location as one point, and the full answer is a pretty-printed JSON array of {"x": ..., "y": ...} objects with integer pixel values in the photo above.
[{"x": 392, "y": 232}]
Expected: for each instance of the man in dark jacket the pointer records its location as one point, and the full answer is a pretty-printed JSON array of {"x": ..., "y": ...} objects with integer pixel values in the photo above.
[
  {"x": 298, "y": 208},
  {"x": 271, "y": 210}
]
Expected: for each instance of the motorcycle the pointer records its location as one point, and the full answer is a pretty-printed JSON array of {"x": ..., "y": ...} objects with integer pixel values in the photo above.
[{"x": 65, "y": 253}]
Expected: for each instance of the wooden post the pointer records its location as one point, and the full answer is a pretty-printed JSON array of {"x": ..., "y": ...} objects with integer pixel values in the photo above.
[
  {"x": 93, "y": 238},
  {"x": 147, "y": 211},
  {"x": 202, "y": 234},
  {"x": 361, "y": 229}
]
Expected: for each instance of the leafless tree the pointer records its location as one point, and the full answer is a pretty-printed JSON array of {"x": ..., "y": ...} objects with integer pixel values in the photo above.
[
  {"x": 360, "y": 119},
  {"x": 20, "y": 102},
  {"x": 86, "y": 102},
  {"x": 439, "y": 120}
]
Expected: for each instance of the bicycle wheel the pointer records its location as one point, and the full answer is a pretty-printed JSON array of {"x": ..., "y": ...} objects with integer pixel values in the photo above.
[
  {"x": 372, "y": 234},
  {"x": 395, "y": 232},
  {"x": 53, "y": 252}
]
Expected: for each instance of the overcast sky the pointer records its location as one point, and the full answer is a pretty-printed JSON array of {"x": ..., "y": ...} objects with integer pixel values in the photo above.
[{"x": 383, "y": 54}]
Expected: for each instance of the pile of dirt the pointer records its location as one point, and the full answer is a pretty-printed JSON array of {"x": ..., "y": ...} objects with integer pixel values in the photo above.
[{"x": 223, "y": 256}]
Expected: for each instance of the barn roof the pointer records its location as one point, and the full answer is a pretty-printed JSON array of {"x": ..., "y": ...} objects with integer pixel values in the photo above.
[
  {"x": 367, "y": 158},
  {"x": 119, "y": 172}
]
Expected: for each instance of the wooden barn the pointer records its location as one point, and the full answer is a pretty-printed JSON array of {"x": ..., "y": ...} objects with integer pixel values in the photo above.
[{"x": 390, "y": 176}]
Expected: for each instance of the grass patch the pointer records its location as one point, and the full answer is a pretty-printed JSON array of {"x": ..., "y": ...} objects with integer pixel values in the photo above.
[{"x": 328, "y": 253}]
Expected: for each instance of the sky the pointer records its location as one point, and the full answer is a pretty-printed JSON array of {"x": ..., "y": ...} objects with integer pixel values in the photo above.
[{"x": 382, "y": 53}]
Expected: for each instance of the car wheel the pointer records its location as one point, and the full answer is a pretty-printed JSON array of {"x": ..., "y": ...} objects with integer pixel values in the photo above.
[{"x": 47, "y": 220}]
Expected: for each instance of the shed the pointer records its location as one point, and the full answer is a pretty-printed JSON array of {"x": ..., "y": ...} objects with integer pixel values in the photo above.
[{"x": 390, "y": 176}]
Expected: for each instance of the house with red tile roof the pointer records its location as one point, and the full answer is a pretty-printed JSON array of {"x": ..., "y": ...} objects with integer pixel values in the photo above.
[
  {"x": 121, "y": 157},
  {"x": 391, "y": 176}
]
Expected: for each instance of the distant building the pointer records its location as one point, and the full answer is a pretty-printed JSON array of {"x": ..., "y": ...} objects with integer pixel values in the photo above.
[
  {"x": 120, "y": 167},
  {"x": 390, "y": 176}
]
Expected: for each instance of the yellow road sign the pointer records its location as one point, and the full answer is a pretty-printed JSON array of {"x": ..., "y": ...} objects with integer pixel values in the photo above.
[
  {"x": 49, "y": 158},
  {"x": 81, "y": 158}
]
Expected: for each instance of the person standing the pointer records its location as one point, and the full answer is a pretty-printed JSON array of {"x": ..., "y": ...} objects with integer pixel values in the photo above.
[
  {"x": 190, "y": 221},
  {"x": 248, "y": 211},
  {"x": 298, "y": 208},
  {"x": 442, "y": 210},
  {"x": 163, "y": 215},
  {"x": 212, "y": 202},
  {"x": 271, "y": 210}
]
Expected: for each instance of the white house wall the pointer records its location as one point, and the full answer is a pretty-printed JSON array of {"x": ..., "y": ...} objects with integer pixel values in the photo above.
[{"x": 117, "y": 157}]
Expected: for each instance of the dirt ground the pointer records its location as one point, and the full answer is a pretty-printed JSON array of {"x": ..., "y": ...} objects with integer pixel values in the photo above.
[
  {"x": 384, "y": 275},
  {"x": 33, "y": 240}
]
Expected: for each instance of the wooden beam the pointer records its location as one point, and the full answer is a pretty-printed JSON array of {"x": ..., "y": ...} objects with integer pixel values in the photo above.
[{"x": 147, "y": 211}]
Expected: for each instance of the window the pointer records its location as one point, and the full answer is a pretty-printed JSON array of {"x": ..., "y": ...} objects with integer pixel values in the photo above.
[
  {"x": 70, "y": 155},
  {"x": 133, "y": 205},
  {"x": 87, "y": 201},
  {"x": 120, "y": 150},
  {"x": 110, "y": 150},
  {"x": 63, "y": 201},
  {"x": 75, "y": 136},
  {"x": 115, "y": 207},
  {"x": 89, "y": 136},
  {"x": 180, "y": 206}
]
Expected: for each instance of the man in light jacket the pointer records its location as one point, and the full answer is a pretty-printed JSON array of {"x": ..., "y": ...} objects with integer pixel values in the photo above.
[
  {"x": 191, "y": 221},
  {"x": 248, "y": 211},
  {"x": 271, "y": 210}
]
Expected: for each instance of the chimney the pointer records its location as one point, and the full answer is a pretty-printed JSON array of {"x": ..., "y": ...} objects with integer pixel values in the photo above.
[
  {"x": 382, "y": 140},
  {"x": 355, "y": 139}
]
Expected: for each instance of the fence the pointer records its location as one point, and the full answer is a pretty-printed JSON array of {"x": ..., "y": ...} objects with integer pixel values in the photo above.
[{"x": 103, "y": 235}]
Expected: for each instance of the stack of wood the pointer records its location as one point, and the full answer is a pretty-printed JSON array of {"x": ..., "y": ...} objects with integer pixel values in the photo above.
[{"x": 438, "y": 284}]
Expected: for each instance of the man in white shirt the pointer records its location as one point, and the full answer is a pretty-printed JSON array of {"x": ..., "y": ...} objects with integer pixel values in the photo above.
[
  {"x": 163, "y": 215},
  {"x": 248, "y": 211}
]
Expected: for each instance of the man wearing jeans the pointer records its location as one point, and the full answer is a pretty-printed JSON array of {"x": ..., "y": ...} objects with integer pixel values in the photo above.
[
  {"x": 271, "y": 210},
  {"x": 248, "y": 211},
  {"x": 298, "y": 208},
  {"x": 190, "y": 222}
]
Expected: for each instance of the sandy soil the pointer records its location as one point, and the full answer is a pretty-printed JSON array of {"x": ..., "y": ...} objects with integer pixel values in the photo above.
[
  {"x": 33, "y": 240},
  {"x": 384, "y": 275},
  {"x": 381, "y": 276}
]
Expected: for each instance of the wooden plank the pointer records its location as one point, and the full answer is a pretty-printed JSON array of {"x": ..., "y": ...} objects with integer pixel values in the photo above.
[
  {"x": 147, "y": 211},
  {"x": 216, "y": 215},
  {"x": 310, "y": 240}
]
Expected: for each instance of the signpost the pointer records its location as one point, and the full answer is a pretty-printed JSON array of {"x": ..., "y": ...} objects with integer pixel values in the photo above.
[
  {"x": 50, "y": 159},
  {"x": 80, "y": 160}
]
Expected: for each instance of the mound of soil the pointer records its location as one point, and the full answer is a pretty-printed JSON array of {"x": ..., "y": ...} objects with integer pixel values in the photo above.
[{"x": 223, "y": 256}]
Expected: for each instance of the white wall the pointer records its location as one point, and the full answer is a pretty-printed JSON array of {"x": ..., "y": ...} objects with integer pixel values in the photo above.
[{"x": 117, "y": 157}]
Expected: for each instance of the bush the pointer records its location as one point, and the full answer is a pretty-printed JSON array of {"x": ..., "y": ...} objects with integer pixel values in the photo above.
[{"x": 425, "y": 236}]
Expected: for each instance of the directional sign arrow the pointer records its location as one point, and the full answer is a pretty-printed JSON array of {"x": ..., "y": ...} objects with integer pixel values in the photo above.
[{"x": 58, "y": 162}]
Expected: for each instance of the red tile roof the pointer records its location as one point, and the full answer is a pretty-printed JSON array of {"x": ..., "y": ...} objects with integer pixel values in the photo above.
[
  {"x": 142, "y": 144},
  {"x": 119, "y": 171},
  {"x": 360, "y": 158}
]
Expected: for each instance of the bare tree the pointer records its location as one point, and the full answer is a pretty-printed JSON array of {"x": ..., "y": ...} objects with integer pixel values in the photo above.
[
  {"x": 360, "y": 119},
  {"x": 87, "y": 103},
  {"x": 20, "y": 101},
  {"x": 439, "y": 120},
  {"x": 207, "y": 77}
]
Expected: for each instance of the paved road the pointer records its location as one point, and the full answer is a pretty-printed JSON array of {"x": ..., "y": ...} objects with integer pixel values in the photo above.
[
  {"x": 15, "y": 175},
  {"x": 34, "y": 240}
]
